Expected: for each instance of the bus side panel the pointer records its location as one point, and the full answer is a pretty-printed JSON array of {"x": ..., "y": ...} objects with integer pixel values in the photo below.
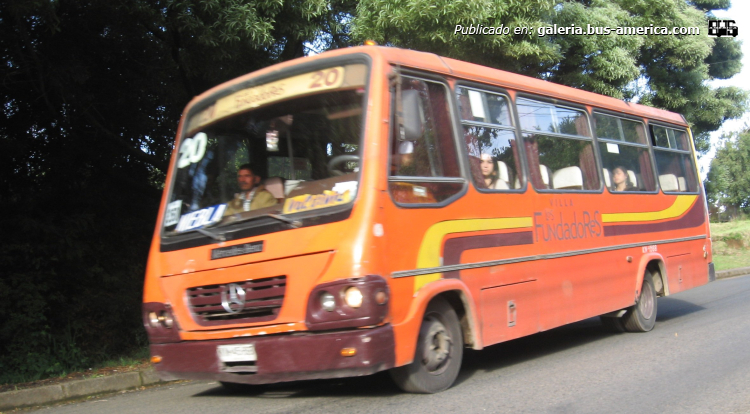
[
  {"x": 509, "y": 312},
  {"x": 685, "y": 265},
  {"x": 683, "y": 272},
  {"x": 579, "y": 287}
]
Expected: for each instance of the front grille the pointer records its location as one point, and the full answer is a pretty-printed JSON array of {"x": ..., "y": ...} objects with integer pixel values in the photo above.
[{"x": 263, "y": 300}]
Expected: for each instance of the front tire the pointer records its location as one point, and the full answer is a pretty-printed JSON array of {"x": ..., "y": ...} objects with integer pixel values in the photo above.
[
  {"x": 437, "y": 359},
  {"x": 641, "y": 317}
]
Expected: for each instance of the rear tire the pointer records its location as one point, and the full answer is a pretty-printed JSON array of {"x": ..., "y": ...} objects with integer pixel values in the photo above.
[
  {"x": 641, "y": 317},
  {"x": 437, "y": 359}
]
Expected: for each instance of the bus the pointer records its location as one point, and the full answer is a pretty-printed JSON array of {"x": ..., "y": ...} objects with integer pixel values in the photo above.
[{"x": 374, "y": 208}]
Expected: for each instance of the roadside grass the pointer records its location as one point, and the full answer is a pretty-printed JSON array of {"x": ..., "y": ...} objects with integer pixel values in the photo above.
[
  {"x": 135, "y": 361},
  {"x": 731, "y": 242}
]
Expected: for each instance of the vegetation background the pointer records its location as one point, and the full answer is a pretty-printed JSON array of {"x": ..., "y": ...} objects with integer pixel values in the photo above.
[{"x": 92, "y": 92}]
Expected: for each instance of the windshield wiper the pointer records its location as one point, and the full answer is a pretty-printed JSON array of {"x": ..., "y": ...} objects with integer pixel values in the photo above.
[
  {"x": 217, "y": 237},
  {"x": 293, "y": 223}
]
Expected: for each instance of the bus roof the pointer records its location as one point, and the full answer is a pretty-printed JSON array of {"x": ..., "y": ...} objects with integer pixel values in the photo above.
[{"x": 478, "y": 73}]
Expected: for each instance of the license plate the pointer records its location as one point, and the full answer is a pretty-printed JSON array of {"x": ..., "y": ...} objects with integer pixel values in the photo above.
[{"x": 236, "y": 353}]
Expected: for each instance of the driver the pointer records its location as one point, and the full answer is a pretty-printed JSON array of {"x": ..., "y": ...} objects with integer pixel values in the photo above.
[{"x": 252, "y": 195}]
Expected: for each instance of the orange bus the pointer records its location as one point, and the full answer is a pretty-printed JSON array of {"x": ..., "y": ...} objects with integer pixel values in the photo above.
[{"x": 374, "y": 208}]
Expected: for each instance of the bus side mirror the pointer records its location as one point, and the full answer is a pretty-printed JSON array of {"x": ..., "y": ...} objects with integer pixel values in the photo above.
[{"x": 411, "y": 127}]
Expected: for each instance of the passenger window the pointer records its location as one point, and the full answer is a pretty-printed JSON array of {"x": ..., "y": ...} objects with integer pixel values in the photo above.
[
  {"x": 424, "y": 162},
  {"x": 674, "y": 161},
  {"x": 559, "y": 146},
  {"x": 619, "y": 129},
  {"x": 490, "y": 139},
  {"x": 625, "y": 158},
  {"x": 670, "y": 138}
]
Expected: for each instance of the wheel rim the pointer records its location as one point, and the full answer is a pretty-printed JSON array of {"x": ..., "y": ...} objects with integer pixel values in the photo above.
[
  {"x": 646, "y": 304},
  {"x": 437, "y": 346}
]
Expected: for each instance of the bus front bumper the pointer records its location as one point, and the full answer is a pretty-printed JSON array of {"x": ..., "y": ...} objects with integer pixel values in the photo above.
[{"x": 292, "y": 357}]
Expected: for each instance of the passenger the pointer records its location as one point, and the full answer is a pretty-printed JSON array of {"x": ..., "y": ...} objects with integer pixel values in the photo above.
[
  {"x": 252, "y": 195},
  {"x": 489, "y": 173},
  {"x": 621, "y": 179}
]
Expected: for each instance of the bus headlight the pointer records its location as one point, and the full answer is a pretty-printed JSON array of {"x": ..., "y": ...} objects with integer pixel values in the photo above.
[
  {"x": 160, "y": 323},
  {"x": 327, "y": 302},
  {"x": 159, "y": 319},
  {"x": 348, "y": 303},
  {"x": 166, "y": 319},
  {"x": 153, "y": 319},
  {"x": 353, "y": 297}
]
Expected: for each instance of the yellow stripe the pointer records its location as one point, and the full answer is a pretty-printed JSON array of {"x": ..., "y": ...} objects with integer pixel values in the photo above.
[
  {"x": 681, "y": 205},
  {"x": 429, "y": 251}
]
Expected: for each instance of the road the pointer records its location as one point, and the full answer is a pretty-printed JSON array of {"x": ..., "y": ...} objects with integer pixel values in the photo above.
[{"x": 696, "y": 360}]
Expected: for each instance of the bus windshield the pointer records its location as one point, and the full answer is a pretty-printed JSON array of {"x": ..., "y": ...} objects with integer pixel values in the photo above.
[{"x": 282, "y": 148}]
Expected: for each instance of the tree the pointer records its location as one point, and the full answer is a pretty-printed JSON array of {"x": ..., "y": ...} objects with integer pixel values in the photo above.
[
  {"x": 728, "y": 180},
  {"x": 666, "y": 71},
  {"x": 92, "y": 93}
]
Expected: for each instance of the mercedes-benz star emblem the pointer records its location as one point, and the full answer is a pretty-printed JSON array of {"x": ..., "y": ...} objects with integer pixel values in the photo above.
[{"x": 233, "y": 298}]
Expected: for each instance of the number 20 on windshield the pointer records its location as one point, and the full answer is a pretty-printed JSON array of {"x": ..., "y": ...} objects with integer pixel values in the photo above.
[{"x": 192, "y": 150}]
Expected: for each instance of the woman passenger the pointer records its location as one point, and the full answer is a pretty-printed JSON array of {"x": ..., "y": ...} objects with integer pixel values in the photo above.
[
  {"x": 489, "y": 174},
  {"x": 621, "y": 179}
]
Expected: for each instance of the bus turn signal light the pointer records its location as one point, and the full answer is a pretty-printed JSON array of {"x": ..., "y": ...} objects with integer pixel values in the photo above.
[
  {"x": 155, "y": 359},
  {"x": 381, "y": 297},
  {"x": 348, "y": 352}
]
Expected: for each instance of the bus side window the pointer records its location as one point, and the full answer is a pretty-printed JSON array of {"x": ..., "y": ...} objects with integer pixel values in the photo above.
[
  {"x": 424, "y": 164},
  {"x": 559, "y": 146},
  {"x": 674, "y": 162},
  {"x": 624, "y": 150},
  {"x": 490, "y": 139}
]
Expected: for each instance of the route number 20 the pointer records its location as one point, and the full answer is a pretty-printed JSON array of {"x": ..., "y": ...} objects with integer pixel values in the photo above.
[
  {"x": 192, "y": 150},
  {"x": 325, "y": 78}
]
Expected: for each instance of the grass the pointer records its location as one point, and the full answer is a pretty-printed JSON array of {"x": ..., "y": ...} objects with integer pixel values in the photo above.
[
  {"x": 136, "y": 358},
  {"x": 731, "y": 242},
  {"x": 135, "y": 361}
]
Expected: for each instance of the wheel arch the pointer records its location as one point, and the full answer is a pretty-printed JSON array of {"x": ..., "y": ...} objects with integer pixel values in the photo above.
[
  {"x": 654, "y": 264},
  {"x": 455, "y": 292}
]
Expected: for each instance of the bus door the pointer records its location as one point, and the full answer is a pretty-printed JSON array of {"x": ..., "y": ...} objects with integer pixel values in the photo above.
[{"x": 424, "y": 177}]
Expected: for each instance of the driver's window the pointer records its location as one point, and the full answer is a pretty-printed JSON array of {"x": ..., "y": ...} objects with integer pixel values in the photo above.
[{"x": 424, "y": 167}]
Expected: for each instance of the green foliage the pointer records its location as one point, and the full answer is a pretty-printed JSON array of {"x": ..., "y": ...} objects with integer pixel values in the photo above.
[
  {"x": 728, "y": 181},
  {"x": 430, "y": 26},
  {"x": 665, "y": 71},
  {"x": 92, "y": 94},
  {"x": 725, "y": 60}
]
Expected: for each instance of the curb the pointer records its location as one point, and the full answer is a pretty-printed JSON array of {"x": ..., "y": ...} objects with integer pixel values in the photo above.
[
  {"x": 733, "y": 272},
  {"x": 76, "y": 389}
]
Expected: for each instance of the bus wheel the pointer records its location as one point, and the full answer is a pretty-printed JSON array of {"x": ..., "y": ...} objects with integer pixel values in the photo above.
[
  {"x": 641, "y": 317},
  {"x": 439, "y": 351}
]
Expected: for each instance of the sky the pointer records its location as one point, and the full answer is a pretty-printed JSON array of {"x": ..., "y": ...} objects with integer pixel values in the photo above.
[{"x": 739, "y": 12}]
